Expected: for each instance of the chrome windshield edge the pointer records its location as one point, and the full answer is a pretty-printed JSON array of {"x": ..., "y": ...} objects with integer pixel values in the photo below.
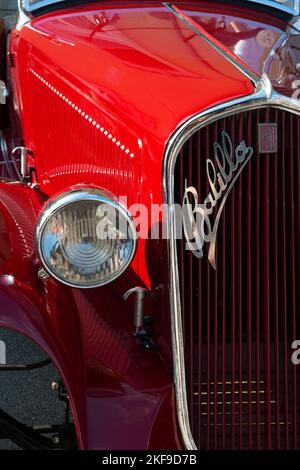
[
  {"x": 252, "y": 76},
  {"x": 263, "y": 96},
  {"x": 22, "y": 17}
]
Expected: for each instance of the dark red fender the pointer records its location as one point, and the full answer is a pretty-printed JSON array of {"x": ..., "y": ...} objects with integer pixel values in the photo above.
[
  {"x": 120, "y": 393},
  {"x": 22, "y": 311}
]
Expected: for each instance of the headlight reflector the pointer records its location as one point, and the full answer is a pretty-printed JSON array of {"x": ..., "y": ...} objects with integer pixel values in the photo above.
[{"x": 85, "y": 238}]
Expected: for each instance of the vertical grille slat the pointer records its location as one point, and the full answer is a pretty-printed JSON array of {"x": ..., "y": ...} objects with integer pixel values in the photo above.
[
  {"x": 257, "y": 295},
  {"x": 224, "y": 349},
  {"x": 240, "y": 294},
  {"x": 191, "y": 301},
  {"x": 207, "y": 316},
  {"x": 248, "y": 228},
  {"x": 266, "y": 291},
  {"x": 240, "y": 319},
  {"x": 215, "y": 354},
  {"x": 293, "y": 283},
  {"x": 232, "y": 304},
  {"x": 276, "y": 307},
  {"x": 284, "y": 288},
  {"x": 297, "y": 254},
  {"x": 200, "y": 274}
]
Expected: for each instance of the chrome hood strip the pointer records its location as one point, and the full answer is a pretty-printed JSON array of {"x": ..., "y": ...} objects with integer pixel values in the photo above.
[
  {"x": 22, "y": 17},
  {"x": 264, "y": 96},
  {"x": 213, "y": 43}
]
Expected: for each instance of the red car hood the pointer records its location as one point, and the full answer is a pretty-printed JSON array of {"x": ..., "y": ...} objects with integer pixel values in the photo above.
[{"x": 141, "y": 63}]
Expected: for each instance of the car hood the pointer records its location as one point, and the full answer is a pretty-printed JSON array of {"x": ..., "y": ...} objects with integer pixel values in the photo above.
[{"x": 142, "y": 63}]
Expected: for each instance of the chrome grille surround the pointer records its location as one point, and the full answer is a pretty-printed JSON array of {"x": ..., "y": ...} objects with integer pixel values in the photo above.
[{"x": 263, "y": 97}]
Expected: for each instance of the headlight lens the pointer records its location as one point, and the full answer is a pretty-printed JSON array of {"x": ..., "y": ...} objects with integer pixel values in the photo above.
[{"x": 85, "y": 238}]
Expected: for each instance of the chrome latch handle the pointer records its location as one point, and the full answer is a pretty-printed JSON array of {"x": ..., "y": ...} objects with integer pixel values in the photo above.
[
  {"x": 140, "y": 293},
  {"x": 142, "y": 324},
  {"x": 24, "y": 153}
]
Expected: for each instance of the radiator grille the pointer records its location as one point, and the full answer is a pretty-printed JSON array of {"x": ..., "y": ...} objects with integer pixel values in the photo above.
[{"x": 240, "y": 320}]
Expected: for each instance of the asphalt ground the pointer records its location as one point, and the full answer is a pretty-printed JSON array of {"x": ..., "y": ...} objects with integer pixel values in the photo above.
[
  {"x": 8, "y": 9},
  {"x": 27, "y": 396},
  {"x": 10, "y": 5}
]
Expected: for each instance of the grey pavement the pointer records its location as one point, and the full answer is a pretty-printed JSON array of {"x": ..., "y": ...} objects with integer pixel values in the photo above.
[
  {"x": 8, "y": 10},
  {"x": 27, "y": 396},
  {"x": 8, "y": 4}
]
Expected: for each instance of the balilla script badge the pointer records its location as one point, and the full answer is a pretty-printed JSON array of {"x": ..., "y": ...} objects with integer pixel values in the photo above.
[{"x": 197, "y": 224}]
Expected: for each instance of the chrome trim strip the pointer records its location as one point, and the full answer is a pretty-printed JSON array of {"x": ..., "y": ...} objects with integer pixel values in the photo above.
[
  {"x": 253, "y": 77},
  {"x": 263, "y": 97},
  {"x": 22, "y": 17}
]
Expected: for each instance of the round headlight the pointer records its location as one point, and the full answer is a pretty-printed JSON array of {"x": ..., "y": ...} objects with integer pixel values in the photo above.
[{"x": 85, "y": 238}]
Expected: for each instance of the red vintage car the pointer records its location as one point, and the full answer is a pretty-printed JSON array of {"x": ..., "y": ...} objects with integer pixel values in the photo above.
[{"x": 150, "y": 220}]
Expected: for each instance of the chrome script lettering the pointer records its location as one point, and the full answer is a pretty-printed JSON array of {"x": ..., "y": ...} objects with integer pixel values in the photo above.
[{"x": 222, "y": 174}]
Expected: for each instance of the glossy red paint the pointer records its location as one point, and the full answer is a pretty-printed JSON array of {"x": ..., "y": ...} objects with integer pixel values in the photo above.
[
  {"x": 249, "y": 34},
  {"x": 265, "y": 43},
  {"x": 99, "y": 90},
  {"x": 114, "y": 83},
  {"x": 113, "y": 382}
]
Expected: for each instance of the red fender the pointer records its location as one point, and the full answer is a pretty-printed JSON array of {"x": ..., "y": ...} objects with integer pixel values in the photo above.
[
  {"x": 22, "y": 312},
  {"x": 120, "y": 392}
]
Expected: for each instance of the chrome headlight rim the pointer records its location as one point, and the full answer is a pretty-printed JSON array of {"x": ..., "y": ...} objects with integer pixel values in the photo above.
[{"x": 68, "y": 198}]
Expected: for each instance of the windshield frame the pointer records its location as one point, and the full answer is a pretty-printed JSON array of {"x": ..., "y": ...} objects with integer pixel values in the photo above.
[{"x": 277, "y": 6}]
